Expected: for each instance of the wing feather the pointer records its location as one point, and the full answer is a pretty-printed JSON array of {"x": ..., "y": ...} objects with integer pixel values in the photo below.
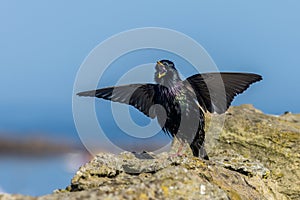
[
  {"x": 141, "y": 96},
  {"x": 215, "y": 91}
]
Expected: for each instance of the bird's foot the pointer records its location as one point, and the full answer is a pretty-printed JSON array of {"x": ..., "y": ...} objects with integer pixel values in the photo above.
[
  {"x": 175, "y": 155},
  {"x": 179, "y": 153}
]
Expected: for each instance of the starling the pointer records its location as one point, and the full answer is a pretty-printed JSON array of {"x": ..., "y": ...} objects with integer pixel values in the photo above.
[{"x": 182, "y": 103}]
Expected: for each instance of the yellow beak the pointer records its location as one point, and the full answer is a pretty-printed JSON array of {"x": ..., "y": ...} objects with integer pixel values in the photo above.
[
  {"x": 159, "y": 63},
  {"x": 161, "y": 74}
]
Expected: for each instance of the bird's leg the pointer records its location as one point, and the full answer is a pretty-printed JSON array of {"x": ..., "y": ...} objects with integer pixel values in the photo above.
[
  {"x": 178, "y": 152},
  {"x": 179, "y": 148}
]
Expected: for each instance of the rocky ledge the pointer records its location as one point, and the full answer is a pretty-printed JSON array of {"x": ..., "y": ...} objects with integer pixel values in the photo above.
[{"x": 252, "y": 156}]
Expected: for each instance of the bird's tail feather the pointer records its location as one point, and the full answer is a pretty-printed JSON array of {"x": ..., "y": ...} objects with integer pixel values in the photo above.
[{"x": 197, "y": 146}]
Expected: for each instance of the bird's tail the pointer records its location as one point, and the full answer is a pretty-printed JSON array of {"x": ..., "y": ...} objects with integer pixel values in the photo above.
[{"x": 197, "y": 145}]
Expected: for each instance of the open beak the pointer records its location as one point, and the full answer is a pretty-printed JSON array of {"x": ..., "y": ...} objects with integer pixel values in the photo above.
[{"x": 161, "y": 74}]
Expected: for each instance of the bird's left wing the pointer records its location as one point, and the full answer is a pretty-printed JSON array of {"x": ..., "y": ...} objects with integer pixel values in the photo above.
[
  {"x": 215, "y": 91},
  {"x": 141, "y": 96}
]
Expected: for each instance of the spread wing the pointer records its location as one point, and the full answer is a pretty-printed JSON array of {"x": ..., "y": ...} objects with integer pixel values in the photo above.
[
  {"x": 215, "y": 91},
  {"x": 141, "y": 96}
]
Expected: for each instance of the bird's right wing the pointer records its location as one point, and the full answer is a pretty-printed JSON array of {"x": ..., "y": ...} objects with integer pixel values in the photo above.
[{"x": 141, "y": 96}]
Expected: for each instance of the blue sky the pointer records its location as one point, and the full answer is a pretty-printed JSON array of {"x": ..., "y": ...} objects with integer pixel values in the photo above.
[{"x": 43, "y": 44}]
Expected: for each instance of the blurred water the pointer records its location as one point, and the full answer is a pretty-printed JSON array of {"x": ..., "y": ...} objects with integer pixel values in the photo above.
[{"x": 37, "y": 176}]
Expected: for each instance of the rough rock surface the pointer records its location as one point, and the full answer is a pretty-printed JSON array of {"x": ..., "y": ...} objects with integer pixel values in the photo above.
[
  {"x": 273, "y": 141},
  {"x": 252, "y": 156}
]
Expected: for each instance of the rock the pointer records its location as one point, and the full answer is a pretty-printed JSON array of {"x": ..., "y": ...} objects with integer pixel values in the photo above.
[
  {"x": 272, "y": 141},
  {"x": 252, "y": 156},
  {"x": 167, "y": 177}
]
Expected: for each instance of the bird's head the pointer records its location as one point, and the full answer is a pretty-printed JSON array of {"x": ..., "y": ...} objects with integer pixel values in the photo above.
[{"x": 166, "y": 72}]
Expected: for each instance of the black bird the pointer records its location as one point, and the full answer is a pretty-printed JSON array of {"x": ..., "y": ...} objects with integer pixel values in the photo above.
[{"x": 182, "y": 102}]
